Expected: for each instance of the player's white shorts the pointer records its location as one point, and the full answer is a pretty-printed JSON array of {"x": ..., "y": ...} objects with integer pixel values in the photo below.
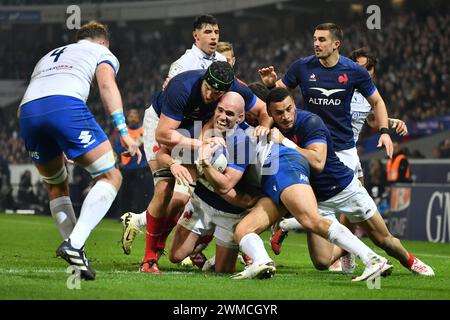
[
  {"x": 202, "y": 219},
  {"x": 151, "y": 146},
  {"x": 351, "y": 159},
  {"x": 353, "y": 201}
]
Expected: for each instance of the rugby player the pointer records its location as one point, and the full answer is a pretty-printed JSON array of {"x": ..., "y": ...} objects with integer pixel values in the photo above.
[
  {"x": 55, "y": 120},
  {"x": 336, "y": 187}
]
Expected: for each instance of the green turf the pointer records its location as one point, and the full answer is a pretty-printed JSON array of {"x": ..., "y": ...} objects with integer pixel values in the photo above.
[{"x": 29, "y": 270}]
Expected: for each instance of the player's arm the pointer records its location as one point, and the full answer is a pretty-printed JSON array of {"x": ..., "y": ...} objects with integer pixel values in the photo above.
[
  {"x": 259, "y": 110},
  {"x": 398, "y": 125},
  {"x": 167, "y": 134},
  {"x": 381, "y": 117},
  {"x": 180, "y": 172},
  {"x": 315, "y": 152},
  {"x": 269, "y": 78},
  {"x": 222, "y": 182},
  {"x": 112, "y": 103}
]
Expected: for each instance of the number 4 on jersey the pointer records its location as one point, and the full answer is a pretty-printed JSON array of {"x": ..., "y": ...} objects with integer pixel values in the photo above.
[{"x": 57, "y": 53}]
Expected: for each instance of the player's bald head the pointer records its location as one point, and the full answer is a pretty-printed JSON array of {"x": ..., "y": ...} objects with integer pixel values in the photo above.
[{"x": 233, "y": 100}]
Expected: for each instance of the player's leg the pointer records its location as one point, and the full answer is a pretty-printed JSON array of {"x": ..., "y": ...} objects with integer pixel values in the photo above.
[
  {"x": 281, "y": 231},
  {"x": 225, "y": 261},
  {"x": 306, "y": 211},
  {"x": 47, "y": 156},
  {"x": 378, "y": 232},
  {"x": 180, "y": 197},
  {"x": 194, "y": 223},
  {"x": 100, "y": 163},
  {"x": 54, "y": 174},
  {"x": 182, "y": 244},
  {"x": 260, "y": 217}
]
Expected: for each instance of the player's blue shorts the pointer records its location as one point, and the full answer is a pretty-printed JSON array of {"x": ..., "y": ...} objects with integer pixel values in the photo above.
[
  {"x": 293, "y": 168},
  {"x": 56, "y": 124}
]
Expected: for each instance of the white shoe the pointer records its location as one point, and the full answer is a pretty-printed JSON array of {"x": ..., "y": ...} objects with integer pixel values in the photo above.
[
  {"x": 348, "y": 263},
  {"x": 336, "y": 266},
  {"x": 377, "y": 266},
  {"x": 130, "y": 230},
  {"x": 259, "y": 271},
  {"x": 186, "y": 263},
  {"x": 209, "y": 264},
  {"x": 421, "y": 269}
]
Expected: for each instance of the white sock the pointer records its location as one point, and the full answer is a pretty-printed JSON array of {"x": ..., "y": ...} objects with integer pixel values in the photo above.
[
  {"x": 342, "y": 237},
  {"x": 290, "y": 224},
  {"x": 252, "y": 245},
  {"x": 63, "y": 215},
  {"x": 142, "y": 219},
  {"x": 95, "y": 206}
]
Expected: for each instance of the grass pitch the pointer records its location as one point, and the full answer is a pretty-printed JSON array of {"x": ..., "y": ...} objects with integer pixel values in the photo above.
[{"x": 29, "y": 270}]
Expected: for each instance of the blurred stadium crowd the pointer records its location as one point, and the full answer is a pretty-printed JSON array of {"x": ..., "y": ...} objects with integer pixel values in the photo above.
[{"x": 412, "y": 75}]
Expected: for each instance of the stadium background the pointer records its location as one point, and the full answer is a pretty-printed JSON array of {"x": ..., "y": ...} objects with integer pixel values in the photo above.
[{"x": 412, "y": 76}]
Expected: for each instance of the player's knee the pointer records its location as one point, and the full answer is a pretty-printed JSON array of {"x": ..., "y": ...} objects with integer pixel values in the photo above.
[
  {"x": 321, "y": 263},
  {"x": 113, "y": 176},
  {"x": 105, "y": 168},
  {"x": 320, "y": 266},
  {"x": 241, "y": 231},
  {"x": 175, "y": 256},
  {"x": 162, "y": 191},
  {"x": 58, "y": 190}
]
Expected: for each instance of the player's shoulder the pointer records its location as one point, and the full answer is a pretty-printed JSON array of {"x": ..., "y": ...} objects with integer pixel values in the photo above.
[
  {"x": 220, "y": 57},
  {"x": 185, "y": 81},
  {"x": 309, "y": 119},
  {"x": 349, "y": 63},
  {"x": 306, "y": 60}
]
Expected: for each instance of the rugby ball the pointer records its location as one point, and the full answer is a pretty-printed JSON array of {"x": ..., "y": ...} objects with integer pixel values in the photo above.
[{"x": 218, "y": 160}]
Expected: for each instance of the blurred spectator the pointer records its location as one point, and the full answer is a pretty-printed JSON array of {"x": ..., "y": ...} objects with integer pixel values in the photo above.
[
  {"x": 80, "y": 186},
  {"x": 26, "y": 195},
  {"x": 412, "y": 46},
  {"x": 443, "y": 150},
  {"x": 416, "y": 154},
  {"x": 137, "y": 184},
  {"x": 376, "y": 185},
  {"x": 397, "y": 169},
  {"x": 6, "y": 198},
  {"x": 376, "y": 182}
]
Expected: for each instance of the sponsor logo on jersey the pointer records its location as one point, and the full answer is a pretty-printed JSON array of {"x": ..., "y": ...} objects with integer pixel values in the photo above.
[
  {"x": 325, "y": 102},
  {"x": 304, "y": 178},
  {"x": 312, "y": 77},
  {"x": 34, "y": 154},
  {"x": 326, "y": 93},
  {"x": 85, "y": 138}
]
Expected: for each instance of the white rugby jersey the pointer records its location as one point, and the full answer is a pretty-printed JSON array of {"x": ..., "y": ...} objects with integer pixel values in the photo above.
[
  {"x": 360, "y": 108},
  {"x": 193, "y": 59},
  {"x": 68, "y": 71}
]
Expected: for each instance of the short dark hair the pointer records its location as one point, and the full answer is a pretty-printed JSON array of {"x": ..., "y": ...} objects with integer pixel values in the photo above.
[
  {"x": 335, "y": 30},
  {"x": 204, "y": 19},
  {"x": 372, "y": 60},
  {"x": 93, "y": 29},
  {"x": 259, "y": 89},
  {"x": 277, "y": 94}
]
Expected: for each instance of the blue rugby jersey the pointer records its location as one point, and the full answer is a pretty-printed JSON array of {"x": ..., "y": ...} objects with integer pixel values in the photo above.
[
  {"x": 182, "y": 99},
  {"x": 328, "y": 93},
  {"x": 336, "y": 176}
]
